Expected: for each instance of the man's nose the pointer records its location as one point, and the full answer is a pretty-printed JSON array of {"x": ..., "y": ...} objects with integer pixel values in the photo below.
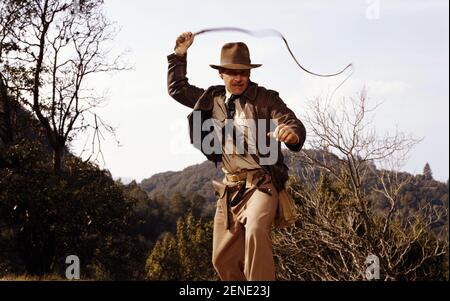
[{"x": 238, "y": 77}]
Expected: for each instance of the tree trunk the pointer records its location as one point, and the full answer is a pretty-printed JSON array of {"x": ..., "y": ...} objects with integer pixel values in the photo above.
[
  {"x": 37, "y": 249},
  {"x": 5, "y": 115},
  {"x": 58, "y": 155}
]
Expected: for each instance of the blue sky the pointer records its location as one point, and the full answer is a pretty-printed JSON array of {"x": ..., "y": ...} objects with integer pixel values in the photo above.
[{"x": 400, "y": 50}]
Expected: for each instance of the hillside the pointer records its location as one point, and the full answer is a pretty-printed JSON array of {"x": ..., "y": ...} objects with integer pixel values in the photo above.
[
  {"x": 193, "y": 179},
  {"x": 196, "y": 179}
]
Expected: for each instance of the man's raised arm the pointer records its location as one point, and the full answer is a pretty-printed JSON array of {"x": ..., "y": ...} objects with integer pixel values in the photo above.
[{"x": 177, "y": 82}]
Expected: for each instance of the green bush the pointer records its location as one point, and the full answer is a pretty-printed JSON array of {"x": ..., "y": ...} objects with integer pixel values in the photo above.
[
  {"x": 80, "y": 211},
  {"x": 185, "y": 255}
]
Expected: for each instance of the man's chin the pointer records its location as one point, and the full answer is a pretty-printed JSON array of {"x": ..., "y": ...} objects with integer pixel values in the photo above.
[{"x": 237, "y": 91}]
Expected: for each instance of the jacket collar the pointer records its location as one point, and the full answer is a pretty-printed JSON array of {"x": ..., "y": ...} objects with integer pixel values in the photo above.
[
  {"x": 251, "y": 91},
  {"x": 206, "y": 100}
]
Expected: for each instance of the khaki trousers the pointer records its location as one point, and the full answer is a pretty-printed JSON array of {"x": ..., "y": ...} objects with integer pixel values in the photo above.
[{"x": 244, "y": 251}]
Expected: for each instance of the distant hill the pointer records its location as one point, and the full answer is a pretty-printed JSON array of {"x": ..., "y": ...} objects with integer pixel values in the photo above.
[
  {"x": 193, "y": 179},
  {"x": 196, "y": 179}
]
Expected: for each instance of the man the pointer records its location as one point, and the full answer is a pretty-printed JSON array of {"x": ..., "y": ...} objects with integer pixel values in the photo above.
[{"x": 248, "y": 197}]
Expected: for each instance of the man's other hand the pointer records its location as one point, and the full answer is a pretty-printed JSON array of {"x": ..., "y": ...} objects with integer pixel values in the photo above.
[{"x": 285, "y": 133}]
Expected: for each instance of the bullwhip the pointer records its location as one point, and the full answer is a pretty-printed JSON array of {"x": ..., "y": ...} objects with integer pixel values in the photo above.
[{"x": 273, "y": 32}]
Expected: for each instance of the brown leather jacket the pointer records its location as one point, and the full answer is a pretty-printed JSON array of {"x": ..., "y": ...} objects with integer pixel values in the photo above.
[{"x": 260, "y": 104}]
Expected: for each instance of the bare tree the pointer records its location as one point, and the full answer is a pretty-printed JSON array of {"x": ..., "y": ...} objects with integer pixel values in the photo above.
[
  {"x": 347, "y": 134},
  {"x": 11, "y": 13},
  {"x": 337, "y": 227},
  {"x": 5, "y": 123},
  {"x": 59, "y": 50},
  {"x": 11, "y": 18}
]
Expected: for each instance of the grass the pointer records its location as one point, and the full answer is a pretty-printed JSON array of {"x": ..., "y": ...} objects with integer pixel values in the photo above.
[{"x": 26, "y": 277}]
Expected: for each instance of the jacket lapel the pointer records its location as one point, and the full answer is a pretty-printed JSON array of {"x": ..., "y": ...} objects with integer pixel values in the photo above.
[
  {"x": 220, "y": 111},
  {"x": 206, "y": 101},
  {"x": 250, "y": 96}
]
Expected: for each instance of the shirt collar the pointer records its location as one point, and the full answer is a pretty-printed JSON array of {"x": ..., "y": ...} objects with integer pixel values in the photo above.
[
  {"x": 249, "y": 93},
  {"x": 227, "y": 94}
]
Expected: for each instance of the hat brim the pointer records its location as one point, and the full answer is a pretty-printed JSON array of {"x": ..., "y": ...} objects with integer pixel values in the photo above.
[{"x": 236, "y": 66}]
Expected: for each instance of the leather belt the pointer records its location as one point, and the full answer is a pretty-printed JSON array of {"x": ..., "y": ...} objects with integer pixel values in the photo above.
[
  {"x": 234, "y": 187},
  {"x": 247, "y": 176}
]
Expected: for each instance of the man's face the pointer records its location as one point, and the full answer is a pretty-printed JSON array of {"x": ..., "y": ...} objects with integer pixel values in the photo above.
[{"x": 236, "y": 81}]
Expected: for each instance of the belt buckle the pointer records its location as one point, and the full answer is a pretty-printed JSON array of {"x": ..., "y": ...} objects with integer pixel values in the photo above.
[{"x": 234, "y": 178}]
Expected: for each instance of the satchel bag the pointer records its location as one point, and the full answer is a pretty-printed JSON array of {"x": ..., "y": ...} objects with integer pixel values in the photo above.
[{"x": 286, "y": 211}]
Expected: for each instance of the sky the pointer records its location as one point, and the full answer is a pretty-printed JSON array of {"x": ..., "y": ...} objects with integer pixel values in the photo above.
[{"x": 400, "y": 50}]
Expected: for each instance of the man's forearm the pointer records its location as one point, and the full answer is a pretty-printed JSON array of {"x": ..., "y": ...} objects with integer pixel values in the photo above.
[
  {"x": 180, "y": 52},
  {"x": 177, "y": 82}
]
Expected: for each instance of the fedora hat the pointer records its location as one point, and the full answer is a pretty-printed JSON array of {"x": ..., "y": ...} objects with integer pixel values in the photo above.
[{"x": 235, "y": 56}]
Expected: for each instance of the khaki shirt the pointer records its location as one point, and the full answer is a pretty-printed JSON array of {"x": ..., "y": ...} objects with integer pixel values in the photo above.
[{"x": 233, "y": 160}]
